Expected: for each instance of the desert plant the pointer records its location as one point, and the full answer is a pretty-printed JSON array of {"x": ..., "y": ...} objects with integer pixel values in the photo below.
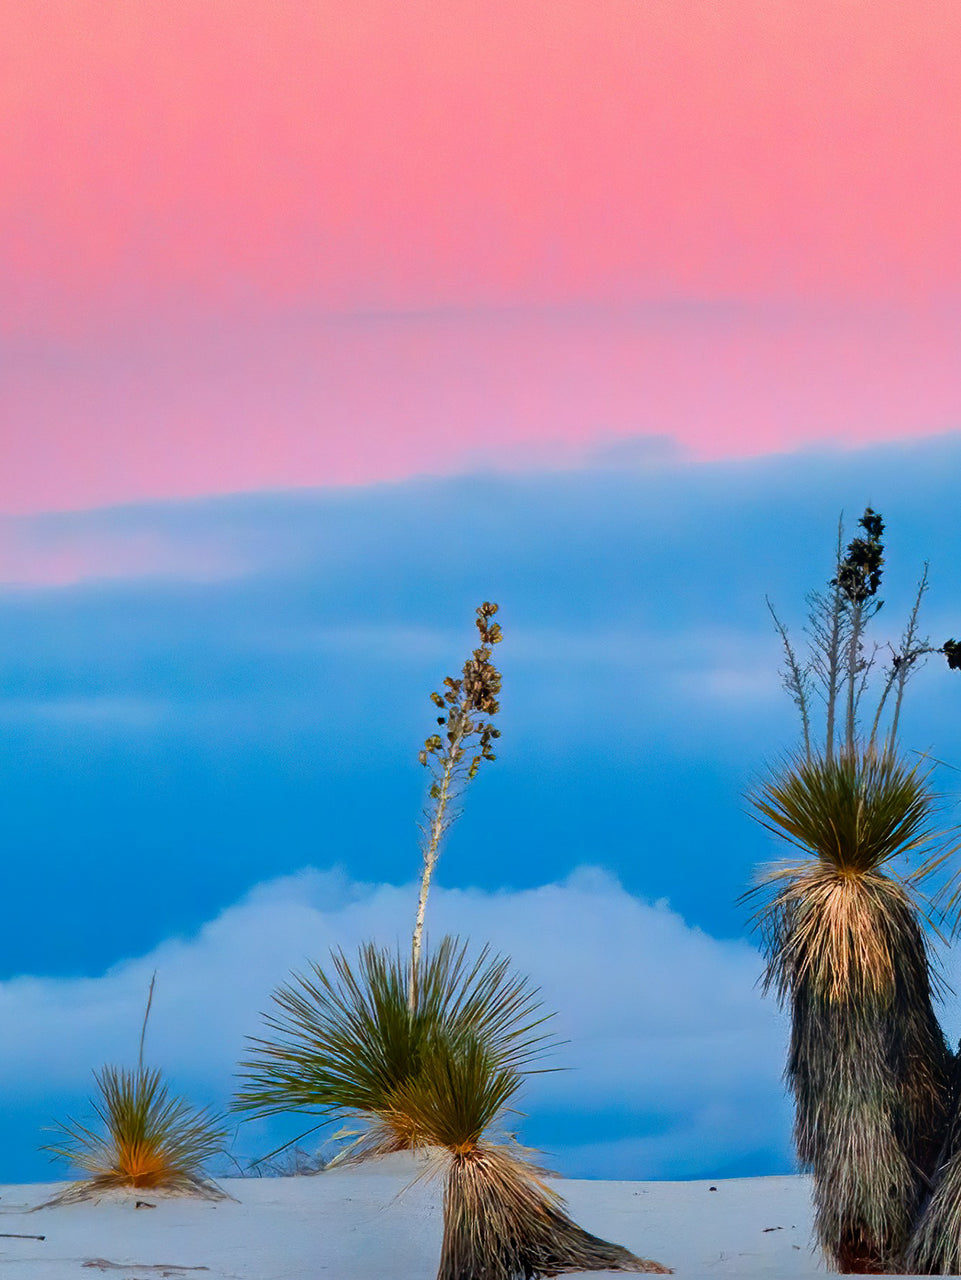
[
  {"x": 501, "y": 1219},
  {"x": 427, "y": 1051},
  {"x": 348, "y": 1047},
  {"x": 343, "y": 1044},
  {"x": 868, "y": 1063},
  {"x": 150, "y": 1140},
  {"x": 843, "y": 928}
]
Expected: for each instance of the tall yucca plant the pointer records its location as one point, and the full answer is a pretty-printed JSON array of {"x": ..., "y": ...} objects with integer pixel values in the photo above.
[
  {"x": 842, "y": 926},
  {"x": 148, "y": 1139},
  {"x": 428, "y": 1051},
  {"x": 868, "y": 1065}
]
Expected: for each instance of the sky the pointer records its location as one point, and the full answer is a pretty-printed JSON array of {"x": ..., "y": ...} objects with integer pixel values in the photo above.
[
  {"x": 251, "y": 244},
  {"x": 320, "y": 325}
]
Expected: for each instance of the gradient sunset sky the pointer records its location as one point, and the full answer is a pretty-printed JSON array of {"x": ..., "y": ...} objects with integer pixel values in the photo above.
[
  {"x": 322, "y": 323},
  {"x": 249, "y": 245}
]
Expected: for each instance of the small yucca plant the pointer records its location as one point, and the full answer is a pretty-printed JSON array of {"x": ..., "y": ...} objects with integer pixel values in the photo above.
[{"x": 149, "y": 1140}]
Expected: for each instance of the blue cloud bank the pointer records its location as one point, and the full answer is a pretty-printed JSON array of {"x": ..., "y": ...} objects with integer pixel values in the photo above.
[{"x": 223, "y": 693}]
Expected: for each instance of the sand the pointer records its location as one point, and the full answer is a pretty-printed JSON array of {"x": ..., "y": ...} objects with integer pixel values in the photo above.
[{"x": 359, "y": 1223}]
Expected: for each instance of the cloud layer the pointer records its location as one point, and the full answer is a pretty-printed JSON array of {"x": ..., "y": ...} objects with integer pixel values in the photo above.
[
  {"x": 674, "y": 1057},
  {"x": 227, "y": 685}
]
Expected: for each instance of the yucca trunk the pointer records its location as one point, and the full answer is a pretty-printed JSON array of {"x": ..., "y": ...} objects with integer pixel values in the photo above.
[
  {"x": 935, "y": 1247},
  {"x": 502, "y": 1223},
  {"x": 871, "y": 1077}
]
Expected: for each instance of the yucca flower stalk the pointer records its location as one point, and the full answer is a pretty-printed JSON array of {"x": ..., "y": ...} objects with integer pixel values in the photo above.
[
  {"x": 843, "y": 929},
  {"x": 463, "y": 704},
  {"x": 837, "y": 662}
]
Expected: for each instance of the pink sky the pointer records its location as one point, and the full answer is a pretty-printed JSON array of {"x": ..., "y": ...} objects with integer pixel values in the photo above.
[{"x": 248, "y": 244}]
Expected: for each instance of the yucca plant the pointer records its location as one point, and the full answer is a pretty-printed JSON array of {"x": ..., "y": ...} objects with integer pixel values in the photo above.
[
  {"x": 149, "y": 1139},
  {"x": 868, "y": 1064},
  {"x": 501, "y": 1219},
  {"x": 348, "y": 1047},
  {"x": 341, "y": 1041},
  {"x": 843, "y": 930},
  {"x": 426, "y": 1051},
  {"x": 343, "y": 1044}
]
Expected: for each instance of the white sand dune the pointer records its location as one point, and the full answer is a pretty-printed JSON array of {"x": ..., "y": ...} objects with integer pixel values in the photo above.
[{"x": 360, "y": 1223}]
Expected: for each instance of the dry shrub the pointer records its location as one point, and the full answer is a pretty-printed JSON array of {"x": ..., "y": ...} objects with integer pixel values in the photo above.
[{"x": 150, "y": 1141}]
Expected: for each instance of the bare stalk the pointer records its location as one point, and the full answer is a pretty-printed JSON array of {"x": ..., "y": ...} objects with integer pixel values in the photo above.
[
  {"x": 858, "y": 579},
  {"x": 833, "y": 651},
  {"x": 795, "y": 679},
  {"x": 910, "y": 652},
  {"x": 853, "y": 667},
  {"x": 888, "y": 686},
  {"x": 146, "y": 1015}
]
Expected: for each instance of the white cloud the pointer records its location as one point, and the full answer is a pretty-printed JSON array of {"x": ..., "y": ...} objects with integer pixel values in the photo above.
[{"x": 667, "y": 1034}]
